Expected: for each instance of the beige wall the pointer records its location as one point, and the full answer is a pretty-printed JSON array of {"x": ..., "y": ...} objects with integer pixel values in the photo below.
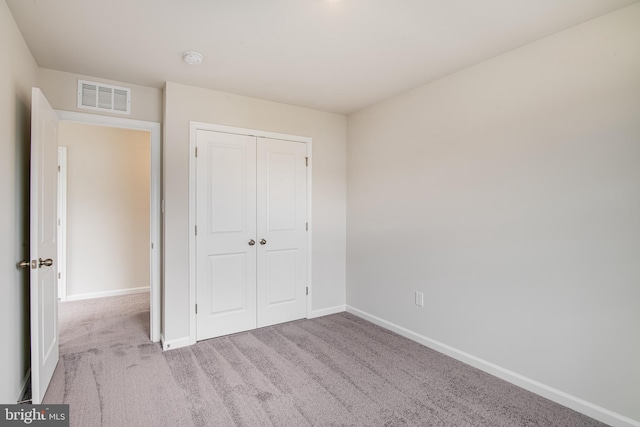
[
  {"x": 17, "y": 76},
  {"x": 509, "y": 193},
  {"x": 108, "y": 178},
  {"x": 186, "y": 103},
  {"x": 61, "y": 89}
]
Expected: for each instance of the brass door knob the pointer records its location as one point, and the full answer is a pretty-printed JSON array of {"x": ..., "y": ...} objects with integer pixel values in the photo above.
[
  {"x": 252, "y": 242},
  {"x": 24, "y": 264},
  {"x": 263, "y": 242}
]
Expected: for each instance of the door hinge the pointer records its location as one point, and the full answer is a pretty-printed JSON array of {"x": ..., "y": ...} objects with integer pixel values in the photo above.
[
  {"x": 196, "y": 230},
  {"x": 162, "y": 206},
  {"x": 196, "y": 151},
  {"x": 196, "y": 308},
  {"x": 59, "y": 276},
  {"x": 307, "y": 226},
  {"x": 306, "y": 161},
  {"x": 307, "y": 290},
  {"x": 58, "y": 168},
  {"x": 151, "y": 245}
]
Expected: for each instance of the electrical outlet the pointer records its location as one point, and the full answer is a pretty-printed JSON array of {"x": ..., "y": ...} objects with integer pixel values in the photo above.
[{"x": 419, "y": 299}]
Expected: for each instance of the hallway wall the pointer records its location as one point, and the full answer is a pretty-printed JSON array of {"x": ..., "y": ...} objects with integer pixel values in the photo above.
[{"x": 108, "y": 179}]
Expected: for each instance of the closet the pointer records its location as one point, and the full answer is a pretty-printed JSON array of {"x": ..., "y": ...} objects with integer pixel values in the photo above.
[{"x": 251, "y": 232}]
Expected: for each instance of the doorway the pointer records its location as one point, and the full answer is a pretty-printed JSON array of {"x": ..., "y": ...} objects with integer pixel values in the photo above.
[{"x": 150, "y": 201}]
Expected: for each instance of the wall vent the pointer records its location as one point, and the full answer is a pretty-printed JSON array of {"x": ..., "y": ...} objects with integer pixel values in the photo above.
[{"x": 104, "y": 97}]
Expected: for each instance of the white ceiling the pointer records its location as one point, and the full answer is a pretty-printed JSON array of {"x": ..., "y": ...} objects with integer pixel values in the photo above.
[{"x": 331, "y": 56}]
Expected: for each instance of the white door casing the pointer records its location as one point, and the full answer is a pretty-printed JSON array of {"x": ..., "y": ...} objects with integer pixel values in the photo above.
[
  {"x": 225, "y": 237},
  {"x": 278, "y": 250},
  {"x": 62, "y": 223},
  {"x": 43, "y": 245},
  {"x": 282, "y": 219}
]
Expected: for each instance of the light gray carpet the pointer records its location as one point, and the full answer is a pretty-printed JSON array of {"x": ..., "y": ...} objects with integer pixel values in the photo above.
[{"x": 337, "y": 370}]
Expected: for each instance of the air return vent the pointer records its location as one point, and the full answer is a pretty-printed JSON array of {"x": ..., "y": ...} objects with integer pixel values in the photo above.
[{"x": 104, "y": 97}]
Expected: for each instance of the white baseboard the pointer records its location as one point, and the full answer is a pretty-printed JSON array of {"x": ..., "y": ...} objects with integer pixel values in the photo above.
[
  {"x": 103, "y": 294},
  {"x": 177, "y": 343},
  {"x": 594, "y": 411},
  {"x": 23, "y": 385},
  {"x": 326, "y": 311}
]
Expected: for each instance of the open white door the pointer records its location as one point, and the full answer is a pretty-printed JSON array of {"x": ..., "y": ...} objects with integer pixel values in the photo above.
[{"x": 43, "y": 280}]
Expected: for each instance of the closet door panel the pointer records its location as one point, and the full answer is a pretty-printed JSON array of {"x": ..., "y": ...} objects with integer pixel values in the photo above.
[
  {"x": 281, "y": 277},
  {"x": 282, "y": 234},
  {"x": 226, "y": 223}
]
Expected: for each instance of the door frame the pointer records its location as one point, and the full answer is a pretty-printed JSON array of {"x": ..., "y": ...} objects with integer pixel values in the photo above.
[
  {"x": 62, "y": 223},
  {"x": 194, "y": 127},
  {"x": 155, "y": 244}
]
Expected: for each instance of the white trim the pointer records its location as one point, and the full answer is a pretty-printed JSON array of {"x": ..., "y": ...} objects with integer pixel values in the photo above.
[
  {"x": 192, "y": 241},
  {"x": 103, "y": 294},
  {"x": 62, "y": 223},
  {"x": 249, "y": 132},
  {"x": 193, "y": 128},
  {"x": 326, "y": 311},
  {"x": 178, "y": 343},
  {"x": 154, "y": 215},
  {"x": 23, "y": 385},
  {"x": 310, "y": 231},
  {"x": 594, "y": 411}
]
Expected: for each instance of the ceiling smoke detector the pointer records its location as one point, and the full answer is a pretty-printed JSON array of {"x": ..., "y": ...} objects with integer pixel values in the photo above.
[{"x": 193, "y": 58}]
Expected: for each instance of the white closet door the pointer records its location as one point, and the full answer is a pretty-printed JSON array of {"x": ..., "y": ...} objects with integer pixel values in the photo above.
[
  {"x": 226, "y": 222},
  {"x": 282, "y": 235}
]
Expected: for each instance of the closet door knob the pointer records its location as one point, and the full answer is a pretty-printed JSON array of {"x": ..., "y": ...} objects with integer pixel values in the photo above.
[
  {"x": 263, "y": 242},
  {"x": 252, "y": 242},
  {"x": 45, "y": 262}
]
